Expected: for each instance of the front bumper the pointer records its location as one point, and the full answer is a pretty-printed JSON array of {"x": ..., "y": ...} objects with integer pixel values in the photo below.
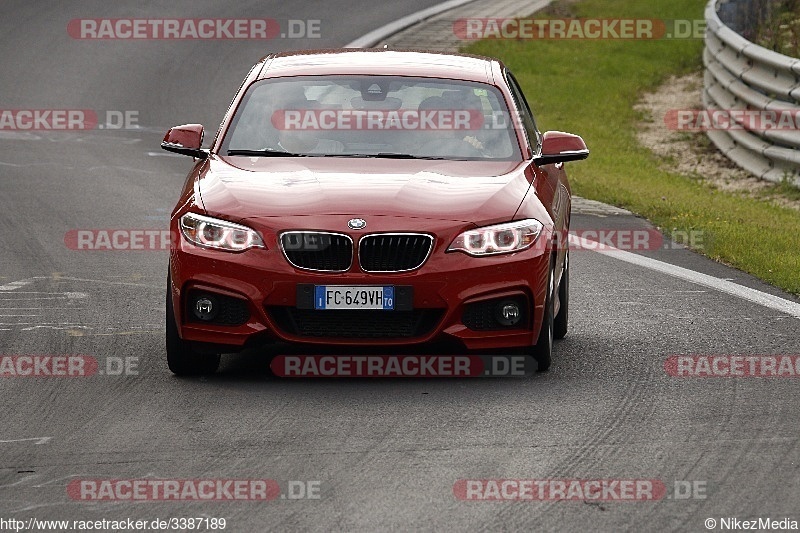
[{"x": 452, "y": 294}]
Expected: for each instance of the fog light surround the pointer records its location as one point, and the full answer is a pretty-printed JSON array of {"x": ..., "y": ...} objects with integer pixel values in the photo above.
[{"x": 494, "y": 314}]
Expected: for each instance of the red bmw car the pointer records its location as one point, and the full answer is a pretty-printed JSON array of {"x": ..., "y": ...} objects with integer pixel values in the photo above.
[{"x": 371, "y": 198}]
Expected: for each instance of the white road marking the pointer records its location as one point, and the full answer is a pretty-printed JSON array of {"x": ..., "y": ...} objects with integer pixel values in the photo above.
[
  {"x": 75, "y": 295},
  {"x": 722, "y": 285},
  {"x": 106, "y": 282},
  {"x": 22, "y": 297},
  {"x": 35, "y": 298},
  {"x": 35, "y": 308},
  {"x": 81, "y": 334},
  {"x": 65, "y": 294},
  {"x": 16, "y": 284},
  {"x": 32, "y": 328},
  {"x": 163, "y": 154},
  {"x": 39, "y": 440}
]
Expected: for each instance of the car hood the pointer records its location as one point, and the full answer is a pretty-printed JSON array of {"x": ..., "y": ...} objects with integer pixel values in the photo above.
[{"x": 257, "y": 187}]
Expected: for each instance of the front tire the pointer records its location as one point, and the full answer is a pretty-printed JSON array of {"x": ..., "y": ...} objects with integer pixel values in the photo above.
[
  {"x": 543, "y": 349},
  {"x": 181, "y": 358},
  {"x": 562, "y": 318}
]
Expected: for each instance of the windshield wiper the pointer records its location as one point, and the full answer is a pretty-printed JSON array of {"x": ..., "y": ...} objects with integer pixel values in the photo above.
[
  {"x": 395, "y": 155},
  {"x": 387, "y": 155},
  {"x": 267, "y": 152}
]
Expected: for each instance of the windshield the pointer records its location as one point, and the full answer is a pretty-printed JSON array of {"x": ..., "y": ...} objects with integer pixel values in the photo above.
[{"x": 372, "y": 116}]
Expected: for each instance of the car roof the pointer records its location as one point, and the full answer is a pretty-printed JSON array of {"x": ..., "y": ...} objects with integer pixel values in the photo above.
[{"x": 380, "y": 61}]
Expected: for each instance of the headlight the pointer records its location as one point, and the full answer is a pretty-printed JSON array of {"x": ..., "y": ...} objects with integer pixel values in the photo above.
[
  {"x": 219, "y": 234},
  {"x": 499, "y": 239}
]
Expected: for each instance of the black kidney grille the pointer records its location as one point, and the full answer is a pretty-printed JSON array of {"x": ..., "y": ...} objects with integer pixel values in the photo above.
[
  {"x": 355, "y": 324},
  {"x": 330, "y": 252},
  {"x": 393, "y": 252}
]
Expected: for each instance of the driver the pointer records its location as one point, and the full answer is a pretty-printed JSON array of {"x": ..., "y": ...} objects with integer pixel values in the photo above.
[
  {"x": 300, "y": 141},
  {"x": 453, "y": 142}
]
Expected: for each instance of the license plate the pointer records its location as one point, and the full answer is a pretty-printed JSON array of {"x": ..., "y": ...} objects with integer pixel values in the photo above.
[{"x": 353, "y": 297}]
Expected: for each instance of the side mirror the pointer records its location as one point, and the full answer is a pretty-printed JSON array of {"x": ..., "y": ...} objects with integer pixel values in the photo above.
[
  {"x": 560, "y": 147},
  {"x": 185, "y": 140}
]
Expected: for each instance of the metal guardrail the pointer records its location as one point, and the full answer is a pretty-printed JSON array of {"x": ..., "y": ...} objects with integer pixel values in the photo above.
[{"x": 742, "y": 75}]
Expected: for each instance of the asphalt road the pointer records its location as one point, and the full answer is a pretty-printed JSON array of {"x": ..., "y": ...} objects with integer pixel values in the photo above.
[{"x": 386, "y": 453}]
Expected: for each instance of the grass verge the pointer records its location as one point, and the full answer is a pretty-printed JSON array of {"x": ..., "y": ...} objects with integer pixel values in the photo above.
[{"x": 589, "y": 87}]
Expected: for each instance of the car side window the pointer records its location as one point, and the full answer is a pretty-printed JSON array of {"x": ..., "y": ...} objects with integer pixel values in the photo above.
[{"x": 528, "y": 122}]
